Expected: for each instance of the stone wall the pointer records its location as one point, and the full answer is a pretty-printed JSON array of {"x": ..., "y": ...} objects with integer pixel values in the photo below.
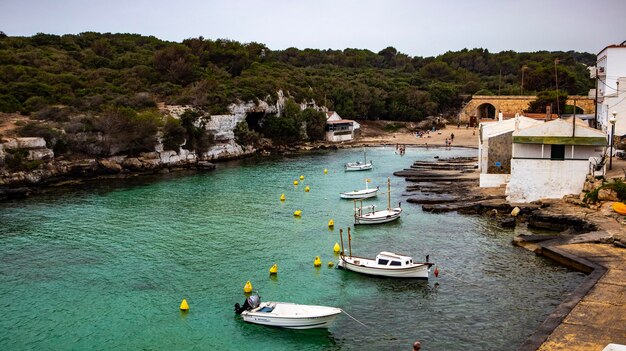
[
  {"x": 500, "y": 150},
  {"x": 510, "y": 105}
]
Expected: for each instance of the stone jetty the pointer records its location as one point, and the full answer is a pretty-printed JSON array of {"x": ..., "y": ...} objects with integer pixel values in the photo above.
[{"x": 445, "y": 185}]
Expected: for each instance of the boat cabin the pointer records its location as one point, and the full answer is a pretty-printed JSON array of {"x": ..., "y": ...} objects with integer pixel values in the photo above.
[{"x": 393, "y": 260}]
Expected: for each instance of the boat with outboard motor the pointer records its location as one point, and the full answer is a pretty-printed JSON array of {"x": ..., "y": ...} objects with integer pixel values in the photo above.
[
  {"x": 360, "y": 194},
  {"x": 386, "y": 264},
  {"x": 286, "y": 314}
]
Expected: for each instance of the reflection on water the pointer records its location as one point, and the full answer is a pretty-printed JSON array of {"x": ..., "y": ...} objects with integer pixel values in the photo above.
[{"x": 105, "y": 265}]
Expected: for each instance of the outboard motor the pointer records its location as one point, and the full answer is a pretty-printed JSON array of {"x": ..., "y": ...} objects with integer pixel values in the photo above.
[{"x": 252, "y": 302}]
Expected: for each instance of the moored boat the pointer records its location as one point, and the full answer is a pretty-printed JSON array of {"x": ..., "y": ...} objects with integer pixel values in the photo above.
[
  {"x": 386, "y": 264},
  {"x": 369, "y": 215},
  {"x": 359, "y": 166},
  {"x": 360, "y": 194},
  {"x": 286, "y": 314}
]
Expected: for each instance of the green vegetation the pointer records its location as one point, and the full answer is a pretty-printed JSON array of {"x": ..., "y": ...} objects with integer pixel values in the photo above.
[
  {"x": 92, "y": 72},
  {"x": 96, "y": 93},
  {"x": 617, "y": 185}
]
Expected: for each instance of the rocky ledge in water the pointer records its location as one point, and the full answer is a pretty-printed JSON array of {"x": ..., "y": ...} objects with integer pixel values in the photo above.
[
  {"x": 447, "y": 185},
  {"x": 65, "y": 172}
]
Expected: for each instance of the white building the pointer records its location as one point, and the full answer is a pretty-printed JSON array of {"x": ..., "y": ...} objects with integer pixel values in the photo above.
[
  {"x": 610, "y": 72},
  {"x": 494, "y": 149},
  {"x": 552, "y": 159},
  {"x": 338, "y": 129}
]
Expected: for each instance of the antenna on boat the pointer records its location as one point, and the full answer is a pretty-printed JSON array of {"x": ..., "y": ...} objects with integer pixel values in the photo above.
[
  {"x": 341, "y": 237},
  {"x": 349, "y": 242}
]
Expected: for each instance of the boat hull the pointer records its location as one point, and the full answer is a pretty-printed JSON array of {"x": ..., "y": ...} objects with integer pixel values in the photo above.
[
  {"x": 292, "y": 316},
  {"x": 358, "y": 264},
  {"x": 358, "y": 167},
  {"x": 359, "y": 194},
  {"x": 619, "y": 207},
  {"x": 378, "y": 217}
]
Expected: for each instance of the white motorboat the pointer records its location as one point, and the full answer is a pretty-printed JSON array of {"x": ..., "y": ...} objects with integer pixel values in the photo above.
[
  {"x": 286, "y": 315},
  {"x": 359, "y": 166},
  {"x": 360, "y": 194},
  {"x": 386, "y": 264},
  {"x": 369, "y": 215}
]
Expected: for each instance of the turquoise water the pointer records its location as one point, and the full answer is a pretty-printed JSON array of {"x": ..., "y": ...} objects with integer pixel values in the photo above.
[{"x": 106, "y": 266}]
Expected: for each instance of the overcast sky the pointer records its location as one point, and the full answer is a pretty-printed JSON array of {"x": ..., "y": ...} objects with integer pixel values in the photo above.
[{"x": 414, "y": 27}]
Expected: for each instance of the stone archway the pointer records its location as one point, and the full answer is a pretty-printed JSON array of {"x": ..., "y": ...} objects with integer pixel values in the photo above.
[
  {"x": 510, "y": 105},
  {"x": 486, "y": 111}
]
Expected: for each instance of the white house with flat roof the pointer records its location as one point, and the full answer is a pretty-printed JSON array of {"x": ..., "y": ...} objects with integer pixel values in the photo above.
[
  {"x": 494, "y": 149},
  {"x": 338, "y": 129},
  {"x": 552, "y": 159},
  {"x": 610, "y": 74}
]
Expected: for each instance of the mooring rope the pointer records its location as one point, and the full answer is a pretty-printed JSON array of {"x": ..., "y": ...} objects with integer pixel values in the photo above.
[
  {"x": 356, "y": 320},
  {"x": 390, "y": 337}
]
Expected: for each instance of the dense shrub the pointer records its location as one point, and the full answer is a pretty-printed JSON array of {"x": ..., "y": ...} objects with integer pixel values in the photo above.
[
  {"x": 173, "y": 134},
  {"x": 245, "y": 136}
]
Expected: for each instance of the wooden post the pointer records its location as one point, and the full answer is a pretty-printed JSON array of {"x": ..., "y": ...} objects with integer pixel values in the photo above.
[
  {"x": 349, "y": 242},
  {"x": 341, "y": 238}
]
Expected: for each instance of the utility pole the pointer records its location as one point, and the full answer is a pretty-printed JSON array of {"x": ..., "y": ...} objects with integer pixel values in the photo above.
[
  {"x": 596, "y": 100},
  {"x": 556, "y": 77}
]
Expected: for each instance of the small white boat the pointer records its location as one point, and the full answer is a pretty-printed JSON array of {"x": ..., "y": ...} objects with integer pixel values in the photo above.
[
  {"x": 360, "y": 194},
  {"x": 358, "y": 166},
  {"x": 386, "y": 264},
  {"x": 369, "y": 215},
  {"x": 286, "y": 315}
]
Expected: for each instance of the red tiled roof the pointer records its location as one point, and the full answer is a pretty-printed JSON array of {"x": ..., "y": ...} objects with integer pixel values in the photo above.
[{"x": 340, "y": 121}]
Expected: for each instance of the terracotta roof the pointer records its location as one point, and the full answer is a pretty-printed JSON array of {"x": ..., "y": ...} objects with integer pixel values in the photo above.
[{"x": 340, "y": 121}]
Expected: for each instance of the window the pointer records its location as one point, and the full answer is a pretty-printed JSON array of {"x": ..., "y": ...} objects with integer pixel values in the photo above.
[
  {"x": 395, "y": 263},
  {"x": 382, "y": 262},
  {"x": 557, "y": 152}
]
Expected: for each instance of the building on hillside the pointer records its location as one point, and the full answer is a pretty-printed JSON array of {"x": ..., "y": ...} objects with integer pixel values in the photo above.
[
  {"x": 495, "y": 149},
  {"x": 338, "y": 129},
  {"x": 610, "y": 74},
  {"x": 552, "y": 159}
]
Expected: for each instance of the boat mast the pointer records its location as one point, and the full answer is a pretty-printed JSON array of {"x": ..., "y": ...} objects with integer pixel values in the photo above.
[
  {"x": 388, "y": 193},
  {"x": 349, "y": 242},
  {"x": 341, "y": 238}
]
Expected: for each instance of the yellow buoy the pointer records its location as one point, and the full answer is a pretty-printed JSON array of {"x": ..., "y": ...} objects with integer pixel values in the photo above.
[
  {"x": 282, "y": 197},
  {"x": 184, "y": 306},
  {"x": 295, "y": 182},
  {"x": 301, "y": 177},
  {"x": 248, "y": 287},
  {"x": 274, "y": 269},
  {"x": 298, "y": 213},
  {"x": 317, "y": 261},
  {"x": 336, "y": 248},
  {"x": 331, "y": 263},
  {"x": 307, "y": 189},
  {"x": 325, "y": 171},
  {"x": 331, "y": 223}
]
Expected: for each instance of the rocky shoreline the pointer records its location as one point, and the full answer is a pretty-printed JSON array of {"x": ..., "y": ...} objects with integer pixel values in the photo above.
[{"x": 587, "y": 238}]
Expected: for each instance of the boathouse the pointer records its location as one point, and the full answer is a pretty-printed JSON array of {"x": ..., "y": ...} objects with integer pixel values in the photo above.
[
  {"x": 338, "y": 129},
  {"x": 495, "y": 149},
  {"x": 552, "y": 159}
]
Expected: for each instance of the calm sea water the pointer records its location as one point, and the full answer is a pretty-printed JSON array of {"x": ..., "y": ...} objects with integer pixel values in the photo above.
[{"x": 106, "y": 267}]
